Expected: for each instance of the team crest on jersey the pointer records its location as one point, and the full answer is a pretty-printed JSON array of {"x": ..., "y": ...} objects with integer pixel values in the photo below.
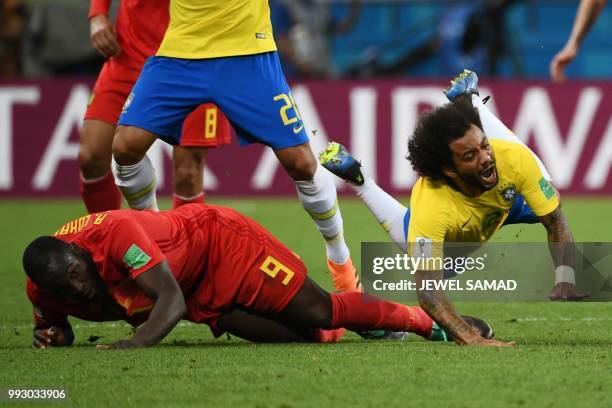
[
  {"x": 128, "y": 102},
  {"x": 508, "y": 192}
]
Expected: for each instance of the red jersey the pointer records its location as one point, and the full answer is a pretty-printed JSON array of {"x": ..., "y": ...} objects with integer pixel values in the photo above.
[
  {"x": 140, "y": 27},
  {"x": 217, "y": 256},
  {"x": 126, "y": 243}
]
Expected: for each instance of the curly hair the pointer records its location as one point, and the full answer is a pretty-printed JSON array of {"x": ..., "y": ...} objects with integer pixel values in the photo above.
[{"x": 429, "y": 151}]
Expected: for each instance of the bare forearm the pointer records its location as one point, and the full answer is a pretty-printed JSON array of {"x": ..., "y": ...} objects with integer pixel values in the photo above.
[
  {"x": 560, "y": 239},
  {"x": 563, "y": 252},
  {"x": 166, "y": 314},
  {"x": 588, "y": 11},
  {"x": 561, "y": 245},
  {"x": 439, "y": 308}
]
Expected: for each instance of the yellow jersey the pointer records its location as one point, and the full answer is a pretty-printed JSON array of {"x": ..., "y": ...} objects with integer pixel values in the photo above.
[
  {"x": 217, "y": 28},
  {"x": 439, "y": 213}
]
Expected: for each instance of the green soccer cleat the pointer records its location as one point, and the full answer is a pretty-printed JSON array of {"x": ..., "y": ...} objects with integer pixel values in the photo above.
[
  {"x": 340, "y": 162},
  {"x": 485, "y": 330},
  {"x": 438, "y": 333}
]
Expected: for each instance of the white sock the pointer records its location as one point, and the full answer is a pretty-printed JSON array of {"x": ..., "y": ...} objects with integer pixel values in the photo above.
[
  {"x": 491, "y": 125},
  {"x": 495, "y": 129},
  {"x": 319, "y": 198},
  {"x": 387, "y": 210},
  {"x": 137, "y": 184}
]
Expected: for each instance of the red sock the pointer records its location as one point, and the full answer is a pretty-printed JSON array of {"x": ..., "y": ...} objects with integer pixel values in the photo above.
[
  {"x": 362, "y": 312},
  {"x": 177, "y": 201},
  {"x": 101, "y": 194},
  {"x": 328, "y": 336}
]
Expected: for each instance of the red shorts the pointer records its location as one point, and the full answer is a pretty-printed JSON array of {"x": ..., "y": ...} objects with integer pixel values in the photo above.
[
  {"x": 247, "y": 268},
  {"x": 206, "y": 126}
]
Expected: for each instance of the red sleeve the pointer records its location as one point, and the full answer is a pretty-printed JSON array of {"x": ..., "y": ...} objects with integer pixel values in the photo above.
[
  {"x": 97, "y": 7},
  {"x": 133, "y": 250},
  {"x": 46, "y": 312}
]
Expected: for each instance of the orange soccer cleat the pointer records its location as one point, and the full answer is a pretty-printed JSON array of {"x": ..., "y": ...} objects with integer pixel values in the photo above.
[{"x": 344, "y": 276}]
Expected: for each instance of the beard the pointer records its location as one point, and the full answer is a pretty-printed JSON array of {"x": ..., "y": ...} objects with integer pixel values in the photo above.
[{"x": 474, "y": 181}]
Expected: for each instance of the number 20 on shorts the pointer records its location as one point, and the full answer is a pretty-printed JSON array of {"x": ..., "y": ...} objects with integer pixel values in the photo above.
[
  {"x": 289, "y": 103},
  {"x": 271, "y": 266}
]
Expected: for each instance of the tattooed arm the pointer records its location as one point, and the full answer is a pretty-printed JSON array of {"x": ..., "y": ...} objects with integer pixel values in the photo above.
[
  {"x": 439, "y": 307},
  {"x": 563, "y": 252}
]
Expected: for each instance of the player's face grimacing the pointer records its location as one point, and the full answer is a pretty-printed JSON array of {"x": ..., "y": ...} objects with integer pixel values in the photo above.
[
  {"x": 82, "y": 282},
  {"x": 474, "y": 160}
]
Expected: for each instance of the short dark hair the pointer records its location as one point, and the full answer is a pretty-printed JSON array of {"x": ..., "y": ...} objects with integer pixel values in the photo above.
[
  {"x": 428, "y": 148},
  {"x": 44, "y": 261}
]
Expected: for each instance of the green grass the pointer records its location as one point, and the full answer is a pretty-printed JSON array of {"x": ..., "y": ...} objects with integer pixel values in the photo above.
[{"x": 563, "y": 357}]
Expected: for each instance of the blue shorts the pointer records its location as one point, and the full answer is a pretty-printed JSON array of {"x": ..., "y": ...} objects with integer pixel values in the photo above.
[{"x": 250, "y": 90}]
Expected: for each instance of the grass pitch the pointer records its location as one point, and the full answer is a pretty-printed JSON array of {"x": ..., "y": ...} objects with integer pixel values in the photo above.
[{"x": 563, "y": 357}]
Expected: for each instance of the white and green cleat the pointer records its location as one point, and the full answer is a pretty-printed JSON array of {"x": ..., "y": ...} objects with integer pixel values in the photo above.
[{"x": 340, "y": 162}]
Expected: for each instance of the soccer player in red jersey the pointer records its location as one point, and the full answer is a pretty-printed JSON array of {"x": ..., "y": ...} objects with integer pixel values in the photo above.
[
  {"x": 206, "y": 264},
  {"x": 138, "y": 32}
]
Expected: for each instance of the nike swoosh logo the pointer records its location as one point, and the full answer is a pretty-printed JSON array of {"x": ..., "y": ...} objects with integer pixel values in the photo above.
[
  {"x": 298, "y": 129},
  {"x": 465, "y": 223}
]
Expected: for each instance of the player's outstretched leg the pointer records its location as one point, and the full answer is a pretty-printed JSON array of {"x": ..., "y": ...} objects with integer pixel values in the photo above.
[
  {"x": 252, "y": 327},
  {"x": 134, "y": 173},
  {"x": 98, "y": 187},
  {"x": 188, "y": 175},
  {"x": 312, "y": 307},
  {"x": 340, "y": 162},
  {"x": 466, "y": 85},
  {"x": 317, "y": 193},
  {"x": 387, "y": 210}
]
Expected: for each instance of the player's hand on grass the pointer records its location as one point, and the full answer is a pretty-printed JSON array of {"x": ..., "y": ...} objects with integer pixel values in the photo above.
[
  {"x": 121, "y": 344},
  {"x": 473, "y": 338},
  {"x": 566, "y": 291},
  {"x": 481, "y": 341},
  {"x": 103, "y": 36},
  {"x": 54, "y": 336}
]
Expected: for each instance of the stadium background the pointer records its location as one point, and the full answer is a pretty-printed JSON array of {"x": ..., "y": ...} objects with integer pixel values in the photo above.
[{"x": 361, "y": 74}]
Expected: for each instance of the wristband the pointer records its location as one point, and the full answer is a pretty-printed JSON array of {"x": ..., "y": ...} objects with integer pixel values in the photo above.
[{"x": 564, "y": 273}]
